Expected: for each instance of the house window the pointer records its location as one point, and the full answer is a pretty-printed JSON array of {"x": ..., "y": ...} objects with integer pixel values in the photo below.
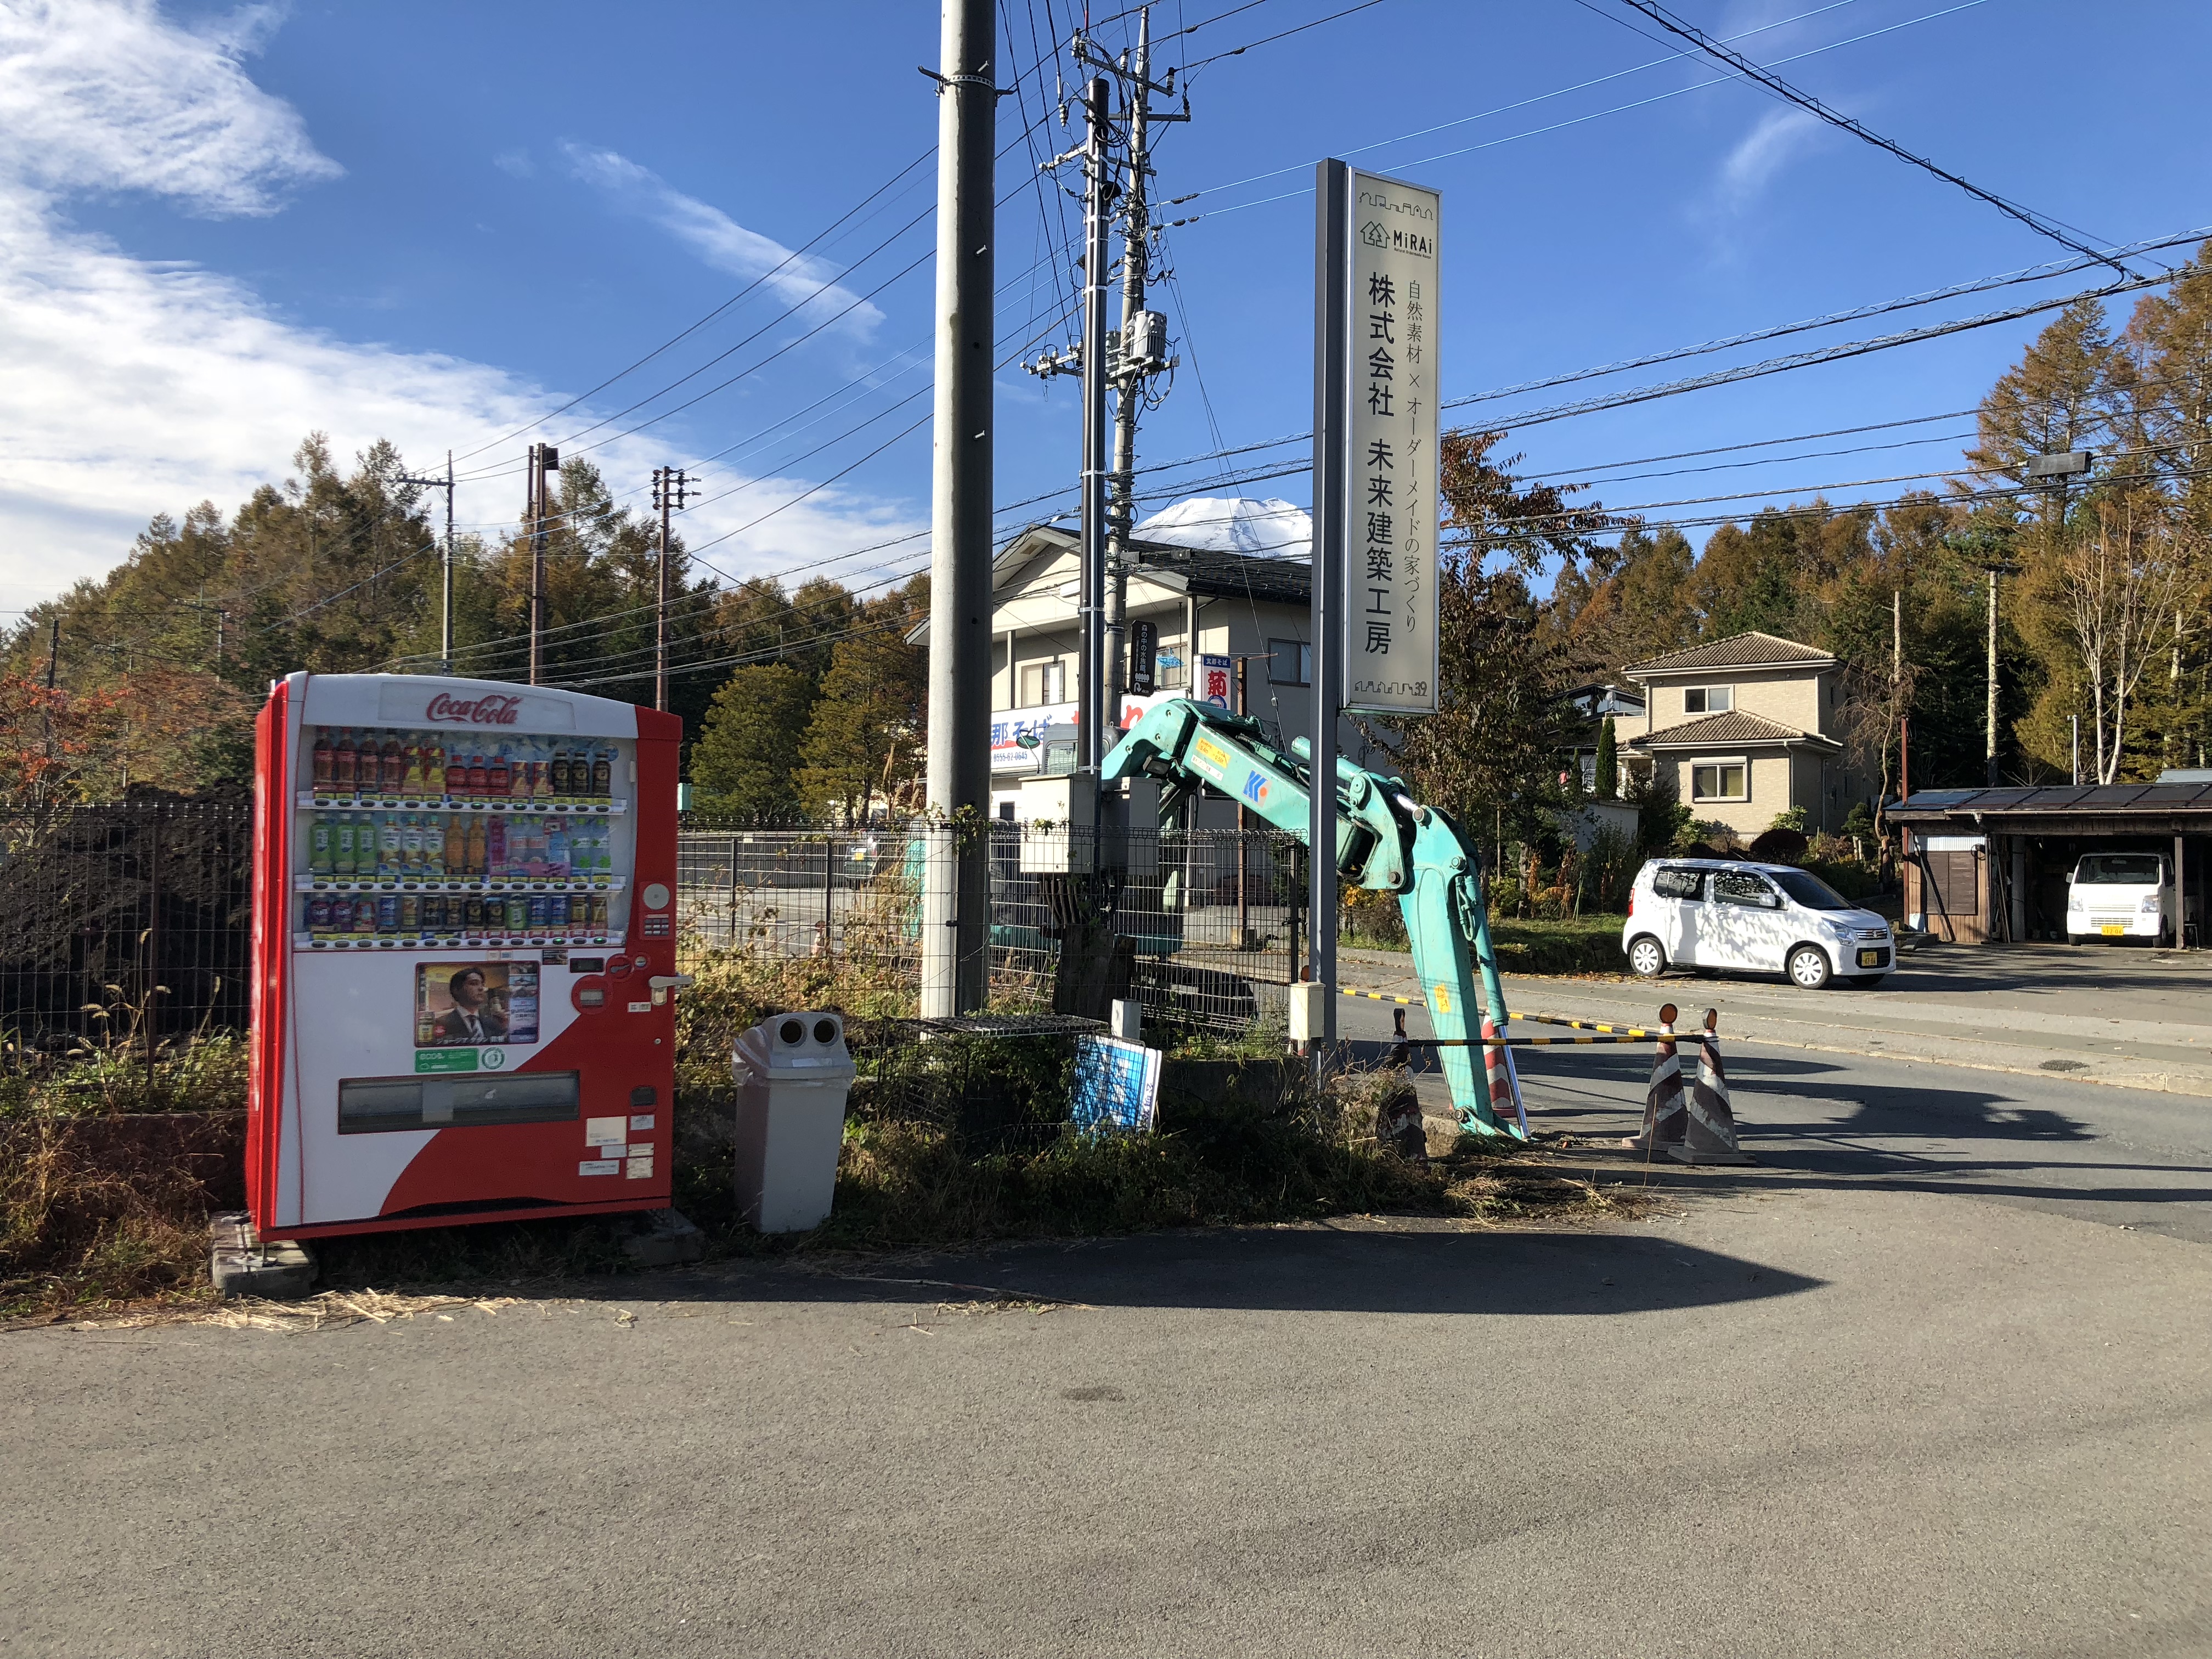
[
  {"x": 1290, "y": 662},
  {"x": 1043, "y": 682},
  {"x": 1720, "y": 779},
  {"x": 1709, "y": 698}
]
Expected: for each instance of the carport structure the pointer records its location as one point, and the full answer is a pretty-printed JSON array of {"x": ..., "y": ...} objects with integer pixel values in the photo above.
[{"x": 1988, "y": 864}]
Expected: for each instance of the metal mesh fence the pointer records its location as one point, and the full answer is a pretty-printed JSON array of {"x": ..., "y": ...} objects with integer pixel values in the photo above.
[
  {"x": 130, "y": 917},
  {"x": 114, "y": 913},
  {"x": 1206, "y": 921}
]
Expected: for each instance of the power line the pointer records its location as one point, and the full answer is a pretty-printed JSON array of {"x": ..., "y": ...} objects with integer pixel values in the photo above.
[{"x": 2040, "y": 223}]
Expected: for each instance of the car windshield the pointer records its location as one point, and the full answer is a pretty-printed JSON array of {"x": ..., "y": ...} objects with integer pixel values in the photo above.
[
  {"x": 2119, "y": 870},
  {"x": 1811, "y": 891}
]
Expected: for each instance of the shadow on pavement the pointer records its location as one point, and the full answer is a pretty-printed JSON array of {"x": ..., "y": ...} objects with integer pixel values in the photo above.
[{"x": 1330, "y": 1269}]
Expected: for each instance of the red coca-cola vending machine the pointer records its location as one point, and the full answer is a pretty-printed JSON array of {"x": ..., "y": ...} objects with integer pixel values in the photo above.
[{"x": 464, "y": 955}]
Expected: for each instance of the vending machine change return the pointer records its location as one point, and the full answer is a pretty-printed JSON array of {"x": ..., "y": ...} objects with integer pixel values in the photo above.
[{"x": 464, "y": 955}]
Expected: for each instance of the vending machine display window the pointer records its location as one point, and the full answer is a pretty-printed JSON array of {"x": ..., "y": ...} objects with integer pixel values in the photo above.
[{"x": 444, "y": 870}]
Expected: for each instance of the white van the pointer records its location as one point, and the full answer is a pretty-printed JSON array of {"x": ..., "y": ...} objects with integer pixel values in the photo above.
[
  {"x": 2120, "y": 895},
  {"x": 1752, "y": 918}
]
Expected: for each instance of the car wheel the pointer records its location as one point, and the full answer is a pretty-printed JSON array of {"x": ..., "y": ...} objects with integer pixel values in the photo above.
[
  {"x": 1645, "y": 959},
  {"x": 1808, "y": 967},
  {"x": 2077, "y": 938}
]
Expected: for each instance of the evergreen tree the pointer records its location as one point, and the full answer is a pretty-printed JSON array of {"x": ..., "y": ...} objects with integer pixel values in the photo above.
[
  {"x": 1608, "y": 761},
  {"x": 747, "y": 754}
]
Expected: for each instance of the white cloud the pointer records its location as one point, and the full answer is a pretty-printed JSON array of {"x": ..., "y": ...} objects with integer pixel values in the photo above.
[
  {"x": 1763, "y": 152},
  {"x": 134, "y": 386},
  {"x": 516, "y": 161},
  {"x": 109, "y": 96},
  {"x": 720, "y": 241}
]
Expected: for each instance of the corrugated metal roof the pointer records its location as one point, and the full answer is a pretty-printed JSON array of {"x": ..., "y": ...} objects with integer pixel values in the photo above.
[
  {"x": 1733, "y": 727},
  {"x": 2120, "y": 800},
  {"x": 1751, "y": 650}
]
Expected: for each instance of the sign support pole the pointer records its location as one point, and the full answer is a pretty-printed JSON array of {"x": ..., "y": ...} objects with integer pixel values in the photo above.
[{"x": 1331, "y": 477}]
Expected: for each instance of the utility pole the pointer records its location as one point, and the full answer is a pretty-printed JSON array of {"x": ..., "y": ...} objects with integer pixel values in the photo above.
[
  {"x": 1122, "y": 361},
  {"x": 1098, "y": 202},
  {"x": 1992, "y": 719},
  {"x": 543, "y": 459},
  {"x": 668, "y": 485},
  {"x": 446, "y": 561},
  {"x": 956, "y": 881},
  {"x": 54, "y": 648},
  {"x": 1143, "y": 340}
]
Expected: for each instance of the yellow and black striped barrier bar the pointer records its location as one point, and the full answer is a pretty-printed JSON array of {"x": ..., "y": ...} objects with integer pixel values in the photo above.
[
  {"x": 1636, "y": 1031},
  {"x": 1536, "y": 1043}
]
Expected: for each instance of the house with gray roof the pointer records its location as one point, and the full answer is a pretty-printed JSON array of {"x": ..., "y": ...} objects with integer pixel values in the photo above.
[{"x": 1747, "y": 727}]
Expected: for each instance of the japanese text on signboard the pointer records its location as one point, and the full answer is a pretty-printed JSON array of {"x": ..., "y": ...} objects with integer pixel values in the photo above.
[{"x": 1389, "y": 603}]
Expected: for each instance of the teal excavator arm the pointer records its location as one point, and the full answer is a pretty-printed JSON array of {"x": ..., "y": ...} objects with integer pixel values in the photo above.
[{"x": 1385, "y": 841}]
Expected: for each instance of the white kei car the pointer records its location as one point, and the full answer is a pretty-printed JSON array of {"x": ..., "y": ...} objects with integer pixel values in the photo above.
[
  {"x": 1752, "y": 918},
  {"x": 2120, "y": 895}
]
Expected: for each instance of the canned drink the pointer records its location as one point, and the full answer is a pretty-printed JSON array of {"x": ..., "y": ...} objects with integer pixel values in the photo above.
[
  {"x": 318, "y": 915},
  {"x": 433, "y": 914},
  {"x": 556, "y": 914},
  {"x": 410, "y": 913},
  {"x": 387, "y": 913},
  {"x": 537, "y": 915},
  {"x": 472, "y": 914},
  {"x": 364, "y": 915},
  {"x": 518, "y": 915},
  {"x": 599, "y": 916}
]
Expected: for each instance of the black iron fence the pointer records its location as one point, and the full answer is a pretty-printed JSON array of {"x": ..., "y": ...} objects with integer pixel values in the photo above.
[{"x": 129, "y": 919}]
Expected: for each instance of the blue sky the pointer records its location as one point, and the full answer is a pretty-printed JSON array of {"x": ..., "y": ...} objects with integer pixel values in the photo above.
[{"x": 220, "y": 228}]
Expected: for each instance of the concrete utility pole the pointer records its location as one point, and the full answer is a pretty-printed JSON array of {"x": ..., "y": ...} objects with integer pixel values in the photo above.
[
  {"x": 1993, "y": 678},
  {"x": 1143, "y": 347},
  {"x": 956, "y": 884},
  {"x": 446, "y": 560},
  {"x": 543, "y": 459},
  {"x": 669, "y": 486},
  {"x": 1098, "y": 221}
]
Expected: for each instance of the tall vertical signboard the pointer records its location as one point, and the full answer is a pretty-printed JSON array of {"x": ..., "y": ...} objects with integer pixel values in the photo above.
[
  {"x": 1389, "y": 577},
  {"x": 1376, "y": 248}
]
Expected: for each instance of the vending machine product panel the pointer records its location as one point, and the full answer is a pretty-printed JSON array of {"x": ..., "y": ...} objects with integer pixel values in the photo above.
[{"x": 464, "y": 940}]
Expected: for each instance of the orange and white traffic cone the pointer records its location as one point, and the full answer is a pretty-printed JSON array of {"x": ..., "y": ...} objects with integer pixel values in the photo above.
[
  {"x": 1663, "y": 1109},
  {"x": 1711, "y": 1137},
  {"x": 1504, "y": 1092}
]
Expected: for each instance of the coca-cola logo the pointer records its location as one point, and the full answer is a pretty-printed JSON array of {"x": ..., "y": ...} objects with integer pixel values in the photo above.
[{"x": 479, "y": 711}]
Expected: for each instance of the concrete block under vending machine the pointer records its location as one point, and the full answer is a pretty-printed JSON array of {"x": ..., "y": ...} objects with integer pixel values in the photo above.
[{"x": 794, "y": 1075}]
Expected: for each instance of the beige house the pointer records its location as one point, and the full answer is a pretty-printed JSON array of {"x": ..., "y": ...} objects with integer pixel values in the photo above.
[{"x": 1747, "y": 727}]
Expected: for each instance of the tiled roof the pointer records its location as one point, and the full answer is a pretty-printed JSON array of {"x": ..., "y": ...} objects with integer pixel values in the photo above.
[
  {"x": 1733, "y": 727},
  {"x": 1738, "y": 651}
]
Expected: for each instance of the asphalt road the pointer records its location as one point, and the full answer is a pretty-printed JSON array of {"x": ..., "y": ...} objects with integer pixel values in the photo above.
[{"x": 1935, "y": 1378}]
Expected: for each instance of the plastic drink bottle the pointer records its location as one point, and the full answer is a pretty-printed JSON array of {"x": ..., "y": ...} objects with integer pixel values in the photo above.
[
  {"x": 457, "y": 845},
  {"x": 457, "y": 774},
  {"x": 364, "y": 915},
  {"x": 499, "y": 778},
  {"x": 602, "y": 774},
  {"x": 322, "y": 760},
  {"x": 318, "y": 915},
  {"x": 390, "y": 848},
  {"x": 342, "y": 762},
  {"x": 341, "y": 845},
  {"x": 475, "y": 852},
  {"x": 391, "y": 765},
  {"x": 477, "y": 780},
  {"x": 557, "y": 852},
  {"x": 318, "y": 845},
  {"x": 495, "y": 847}
]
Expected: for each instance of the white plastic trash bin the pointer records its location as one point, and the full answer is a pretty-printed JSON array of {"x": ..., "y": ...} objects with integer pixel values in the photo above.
[{"x": 792, "y": 1074}]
